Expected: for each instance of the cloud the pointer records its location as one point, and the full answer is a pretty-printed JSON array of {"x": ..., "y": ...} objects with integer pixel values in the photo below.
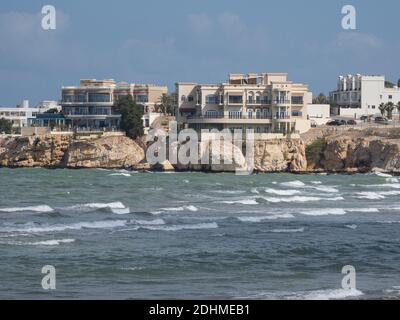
[
  {"x": 200, "y": 23},
  {"x": 357, "y": 41},
  {"x": 231, "y": 23}
]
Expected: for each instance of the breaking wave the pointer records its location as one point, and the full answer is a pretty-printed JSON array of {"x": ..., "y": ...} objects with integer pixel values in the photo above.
[{"x": 40, "y": 208}]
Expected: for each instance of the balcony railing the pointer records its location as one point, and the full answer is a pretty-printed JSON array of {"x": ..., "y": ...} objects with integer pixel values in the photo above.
[
  {"x": 281, "y": 101},
  {"x": 262, "y": 101},
  {"x": 243, "y": 116}
]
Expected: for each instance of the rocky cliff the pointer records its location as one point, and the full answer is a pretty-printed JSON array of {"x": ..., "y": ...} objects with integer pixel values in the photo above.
[
  {"x": 355, "y": 151},
  {"x": 66, "y": 152}
]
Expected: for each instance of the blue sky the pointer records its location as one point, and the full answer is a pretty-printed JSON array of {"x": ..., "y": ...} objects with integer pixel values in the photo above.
[{"x": 159, "y": 41}]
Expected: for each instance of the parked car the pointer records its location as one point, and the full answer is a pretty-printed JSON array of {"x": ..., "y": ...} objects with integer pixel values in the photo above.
[
  {"x": 351, "y": 122},
  {"x": 364, "y": 118},
  {"x": 336, "y": 123},
  {"x": 381, "y": 120}
]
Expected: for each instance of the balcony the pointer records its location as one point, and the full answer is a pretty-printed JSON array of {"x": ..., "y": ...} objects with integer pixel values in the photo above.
[
  {"x": 259, "y": 102},
  {"x": 281, "y": 101}
]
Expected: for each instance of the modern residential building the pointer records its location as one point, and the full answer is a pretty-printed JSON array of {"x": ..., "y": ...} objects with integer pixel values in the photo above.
[
  {"x": 89, "y": 105},
  {"x": 20, "y": 114},
  {"x": 358, "y": 95},
  {"x": 266, "y": 103}
]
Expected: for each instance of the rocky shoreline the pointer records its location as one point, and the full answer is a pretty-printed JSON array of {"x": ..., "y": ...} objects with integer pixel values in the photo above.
[{"x": 345, "y": 151}]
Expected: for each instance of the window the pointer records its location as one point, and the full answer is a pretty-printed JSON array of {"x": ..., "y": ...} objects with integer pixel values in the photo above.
[
  {"x": 390, "y": 97},
  {"x": 183, "y": 98},
  {"x": 190, "y": 98},
  {"x": 142, "y": 98},
  {"x": 211, "y": 99},
  {"x": 296, "y": 113},
  {"x": 99, "y": 97},
  {"x": 235, "y": 99},
  {"x": 297, "y": 100}
]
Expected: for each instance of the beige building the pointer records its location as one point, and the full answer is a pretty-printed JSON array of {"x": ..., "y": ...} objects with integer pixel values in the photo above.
[
  {"x": 89, "y": 105},
  {"x": 266, "y": 103}
]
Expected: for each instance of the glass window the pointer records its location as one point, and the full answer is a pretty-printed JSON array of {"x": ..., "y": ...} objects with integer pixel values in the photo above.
[
  {"x": 99, "y": 97},
  {"x": 142, "y": 98},
  {"x": 297, "y": 99},
  {"x": 211, "y": 99},
  {"x": 235, "y": 99}
]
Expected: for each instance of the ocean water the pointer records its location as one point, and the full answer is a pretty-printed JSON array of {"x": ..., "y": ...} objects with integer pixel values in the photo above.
[{"x": 115, "y": 234}]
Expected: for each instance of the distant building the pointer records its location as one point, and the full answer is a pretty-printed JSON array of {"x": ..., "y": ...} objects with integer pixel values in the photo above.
[
  {"x": 52, "y": 120},
  {"x": 266, "y": 103},
  {"x": 358, "y": 95},
  {"x": 89, "y": 105},
  {"x": 20, "y": 114}
]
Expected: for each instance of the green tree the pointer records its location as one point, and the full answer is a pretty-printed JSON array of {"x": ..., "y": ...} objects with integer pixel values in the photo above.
[
  {"x": 382, "y": 108},
  {"x": 389, "y": 109},
  {"x": 398, "y": 83},
  {"x": 5, "y": 126},
  {"x": 398, "y": 108},
  {"x": 165, "y": 105},
  {"x": 321, "y": 99},
  {"x": 52, "y": 110},
  {"x": 131, "y": 116}
]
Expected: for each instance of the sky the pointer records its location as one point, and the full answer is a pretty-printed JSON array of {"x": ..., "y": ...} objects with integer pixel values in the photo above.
[{"x": 166, "y": 41}]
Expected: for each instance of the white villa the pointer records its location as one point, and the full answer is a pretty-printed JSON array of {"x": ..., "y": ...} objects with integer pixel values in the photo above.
[{"x": 358, "y": 95}]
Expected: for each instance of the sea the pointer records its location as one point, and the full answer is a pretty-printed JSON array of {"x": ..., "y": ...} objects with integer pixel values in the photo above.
[{"x": 117, "y": 234}]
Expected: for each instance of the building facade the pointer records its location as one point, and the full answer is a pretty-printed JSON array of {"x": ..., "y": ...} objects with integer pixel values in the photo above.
[
  {"x": 20, "y": 115},
  {"x": 266, "y": 103},
  {"x": 359, "y": 95},
  {"x": 90, "y": 105}
]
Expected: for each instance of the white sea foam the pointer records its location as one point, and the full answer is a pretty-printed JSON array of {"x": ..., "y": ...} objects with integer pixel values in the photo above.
[
  {"x": 324, "y": 212},
  {"x": 362, "y": 210},
  {"x": 316, "y": 182},
  {"x": 54, "y": 242},
  {"x": 132, "y": 268},
  {"x": 212, "y": 225},
  {"x": 281, "y": 192},
  {"x": 370, "y": 195},
  {"x": 326, "y": 189},
  {"x": 229, "y": 191},
  {"x": 183, "y": 208},
  {"x": 103, "y": 224},
  {"x": 300, "y": 199},
  {"x": 120, "y": 210},
  {"x": 287, "y": 230},
  {"x": 120, "y": 174},
  {"x": 254, "y": 190},
  {"x": 331, "y": 294},
  {"x": 351, "y": 226},
  {"x": 262, "y": 218},
  {"x": 383, "y": 175},
  {"x": 98, "y": 205},
  {"x": 327, "y": 294},
  {"x": 41, "y": 208},
  {"x": 148, "y": 222},
  {"x": 242, "y": 201},
  {"x": 295, "y": 183}
]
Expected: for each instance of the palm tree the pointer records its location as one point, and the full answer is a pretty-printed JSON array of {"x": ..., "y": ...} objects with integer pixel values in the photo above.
[
  {"x": 382, "y": 108},
  {"x": 389, "y": 109},
  {"x": 398, "y": 108}
]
